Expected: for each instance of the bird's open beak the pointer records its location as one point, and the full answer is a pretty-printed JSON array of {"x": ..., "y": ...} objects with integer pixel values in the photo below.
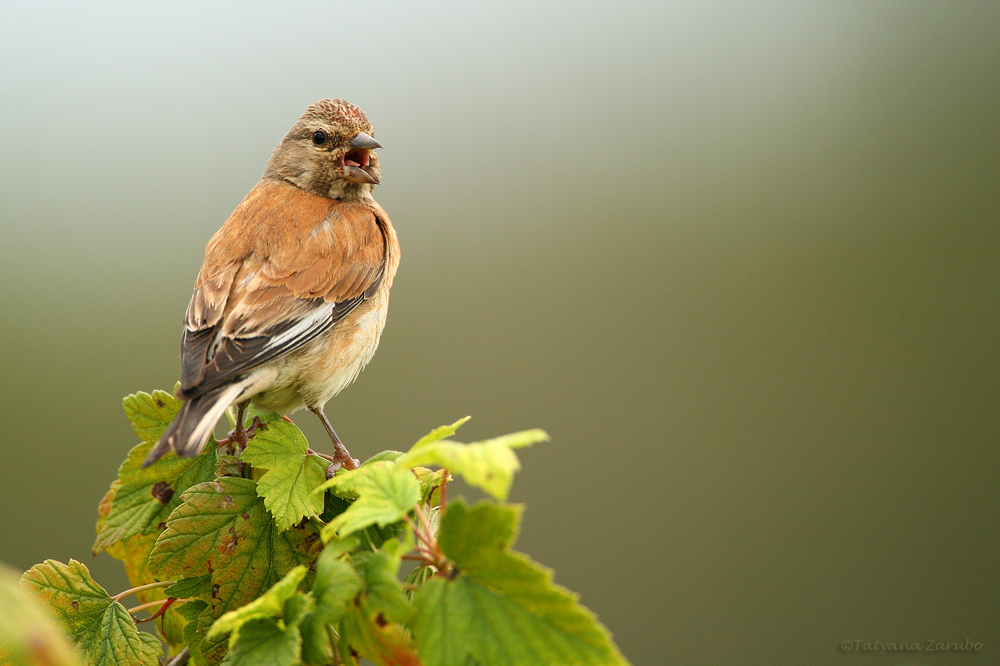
[{"x": 356, "y": 161}]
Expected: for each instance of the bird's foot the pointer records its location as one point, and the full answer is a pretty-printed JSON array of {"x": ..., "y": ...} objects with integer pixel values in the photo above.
[
  {"x": 341, "y": 458},
  {"x": 239, "y": 436}
]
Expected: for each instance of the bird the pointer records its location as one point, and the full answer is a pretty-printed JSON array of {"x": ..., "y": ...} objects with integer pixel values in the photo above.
[{"x": 291, "y": 300}]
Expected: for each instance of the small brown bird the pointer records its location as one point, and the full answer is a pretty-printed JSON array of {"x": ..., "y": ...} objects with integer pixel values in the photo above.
[{"x": 292, "y": 298}]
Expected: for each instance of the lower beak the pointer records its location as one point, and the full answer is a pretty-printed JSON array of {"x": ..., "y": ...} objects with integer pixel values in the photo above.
[{"x": 363, "y": 175}]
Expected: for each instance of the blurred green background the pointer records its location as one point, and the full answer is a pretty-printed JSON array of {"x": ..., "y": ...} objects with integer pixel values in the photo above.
[{"x": 739, "y": 259}]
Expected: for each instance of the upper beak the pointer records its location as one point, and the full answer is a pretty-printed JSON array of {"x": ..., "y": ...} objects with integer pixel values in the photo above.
[
  {"x": 363, "y": 140},
  {"x": 357, "y": 168}
]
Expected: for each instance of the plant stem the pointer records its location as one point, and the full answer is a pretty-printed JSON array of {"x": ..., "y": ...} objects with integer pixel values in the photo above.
[
  {"x": 142, "y": 588},
  {"x": 444, "y": 489}
]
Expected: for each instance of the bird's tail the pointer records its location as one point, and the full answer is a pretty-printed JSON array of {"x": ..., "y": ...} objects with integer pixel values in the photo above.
[{"x": 189, "y": 430}]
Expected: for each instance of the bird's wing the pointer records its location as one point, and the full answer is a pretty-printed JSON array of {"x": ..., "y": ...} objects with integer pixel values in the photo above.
[{"x": 285, "y": 267}]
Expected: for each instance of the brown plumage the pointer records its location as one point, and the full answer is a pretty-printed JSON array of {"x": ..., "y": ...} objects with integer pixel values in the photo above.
[{"x": 292, "y": 297}]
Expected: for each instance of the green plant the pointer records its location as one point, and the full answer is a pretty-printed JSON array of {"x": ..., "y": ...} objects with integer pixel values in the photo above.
[{"x": 255, "y": 557}]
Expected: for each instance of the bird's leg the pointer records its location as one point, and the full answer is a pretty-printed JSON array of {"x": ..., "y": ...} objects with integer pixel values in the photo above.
[
  {"x": 239, "y": 436},
  {"x": 341, "y": 456}
]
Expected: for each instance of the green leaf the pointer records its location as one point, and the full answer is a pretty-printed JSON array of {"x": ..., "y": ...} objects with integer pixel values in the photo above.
[
  {"x": 190, "y": 588},
  {"x": 117, "y": 642},
  {"x": 373, "y": 626},
  {"x": 263, "y": 643},
  {"x": 268, "y": 605},
  {"x": 297, "y": 608},
  {"x": 385, "y": 494},
  {"x": 142, "y": 499},
  {"x": 489, "y": 465},
  {"x": 150, "y": 414},
  {"x": 223, "y": 529},
  {"x": 336, "y": 585},
  {"x": 200, "y": 619},
  {"x": 388, "y": 456},
  {"x": 293, "y": 474},
  {"x": 499, "y": 607},
  {"x": 97, "y": 624},
  {"x": 227, "y": 465}
]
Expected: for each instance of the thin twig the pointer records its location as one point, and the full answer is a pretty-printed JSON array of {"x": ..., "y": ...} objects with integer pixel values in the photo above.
[
  {"x": 142, "y": 588},
  {"x": 424, "y": 522},
  {"x": 167, "y": 603},
  {"x": 425, "y": 539},
  {"x": 444, "y": 488}
]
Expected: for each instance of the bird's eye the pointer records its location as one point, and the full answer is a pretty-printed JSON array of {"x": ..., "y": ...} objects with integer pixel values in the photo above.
[{"x": 319, "y": 137}]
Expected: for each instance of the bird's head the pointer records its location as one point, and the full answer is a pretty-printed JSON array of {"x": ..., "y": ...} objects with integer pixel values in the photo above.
[{"x": 329, "y": 152}]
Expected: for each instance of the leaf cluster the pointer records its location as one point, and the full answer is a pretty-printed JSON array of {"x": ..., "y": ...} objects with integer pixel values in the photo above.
[{"x": 256, "y": 557}]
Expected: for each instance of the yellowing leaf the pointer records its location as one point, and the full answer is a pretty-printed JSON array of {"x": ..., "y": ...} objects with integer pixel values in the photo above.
[
  {"x": 70, "y": 593},
  {"x": 223, "y": 529},
  {"x": 150, "y": 414},
  {"x": 439, "y": 433},
  {"x": 142, "y": 499},
  {"x": 489, "y": 465},
  {"x": 98, "y": 625}
]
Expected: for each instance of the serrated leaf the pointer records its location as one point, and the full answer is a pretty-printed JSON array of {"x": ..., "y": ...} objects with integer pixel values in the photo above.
[
  {"x": 69, "y": 592},
  {"x": 190, "y": 588},
  {"x": 293, "y": 474},
  {"x": 385, "y": 493},
  {"x": 150, "y": 414},
  {"x": 192, "y": 609},
  {"x": 142, "y": 499},
  {"x": 500, "y": 607},
  {"x": 223, "y": 529},
  {"x": 117, "y": 642},
  {"x": 489, "y": 465},
  {"x": 268, "y": 605},
  {"x": 98, "y": 625},
  {"x": 263, "y": 643}
]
